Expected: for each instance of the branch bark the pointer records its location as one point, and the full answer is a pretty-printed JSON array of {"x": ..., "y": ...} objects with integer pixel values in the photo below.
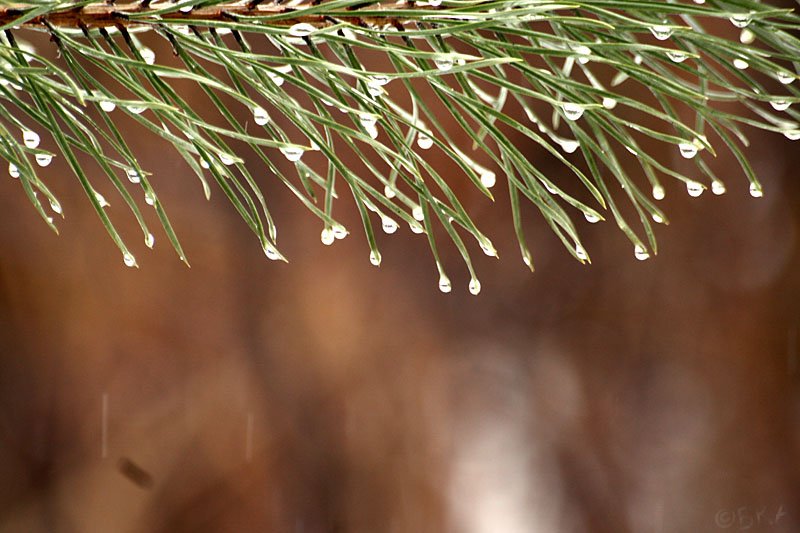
[{"x": 136, "y": 14}]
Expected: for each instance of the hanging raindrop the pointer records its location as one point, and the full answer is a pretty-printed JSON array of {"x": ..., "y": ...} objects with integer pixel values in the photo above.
[
  {"x": 756, "y": 191},
  {"x": 741, "y": 20},
  {"x": 302, "y": 29},
  {"x": 107, "y": 106},
  {"x": 661, "y": 32},
  {"x": 785, "y": 77},
  {"x": 658, "y": 192},
  {"x": 150, "y": 240},
  {"x": 389, "y": 225},
  {"x": 101, "y": 200},
  {"x": 717, "y": 187},
  {"x": 688, "y": 150},
  {"x": 573, "y": 111},
  {"x": 474, "y": 286},
  {"x": 444, "y": 63},
  {"x": 43, "y": 159},
  {"x": 128, "y": 259},
  {"x": 640, "y": 252},
  {"x": 375, "y": 258},
  {"x": 424, "y": 141},
  {"x": 292, "y": 153},
  {"x": 580, "y": 252},
  {"x": 591, "y": 218},
  {"x": 327, "y": 237},
  {"x": 488, "y": 179},
  {"x": 780, "y": 105},
  {"x": 444, "y": 284},
  {"x": 133, "y": 176},
  {"x": 260, "y": 116},
  {"x": 148, "y": 55},
  {"x": 694, "y": 188},
  {"x": 30, "y": 138}
]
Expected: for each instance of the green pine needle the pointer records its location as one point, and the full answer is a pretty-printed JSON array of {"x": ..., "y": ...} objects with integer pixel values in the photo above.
[{"x": 498, "y": 73}]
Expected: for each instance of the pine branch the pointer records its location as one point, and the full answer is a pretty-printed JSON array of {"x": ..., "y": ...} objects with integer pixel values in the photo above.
[{"x": 490, "y": 71}]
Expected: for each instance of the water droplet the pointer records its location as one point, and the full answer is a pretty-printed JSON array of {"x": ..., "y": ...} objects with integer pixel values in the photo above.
[
  {"x": 339, "y": 232},
  {"x": 474, "y": 287},
  {"x": 133, "y": 176},
  {"x": 780, "y": 105},
  {"x": 150, "y": 198},
  {"x": 107, "y": 106},
  {"x": 580, "y": 252},
  {"x": 418, "y": 214},
  {"x": 688, "y": 150},
  {"x": 148, "y": 55},
  {"x": 43, "y": 159},
  {"x": 694, "y": 188},
  {"x": 389, "y": 225},
  {"x": 302, "y": 29},
  {"x": 271, "y": 252},
  {"x": 292, "y": 153},
  {"x": 658, "y": 219},
  {"x": 379, "y": 80},
  {"x": 444, "y": 63},
  {"x": 416, "y": 228},
  {"x": 276, "y": 78},
  {"x": 583, "y": 54},
  {"x": 128, "y": 259},
  {"x": 367, "y": 120},
  {"x": 717, "y": 187},
  {"x": 260, "y": 115},
  {"x": 375, "y": 258},
  {"x": 204, "y": 163},
  {"x": 55, "y": 206},
  {"x": 327, "y": 237},
  {"x": 186, "y": 9},
  {"x": 424, "y": 141},
  {"x": 792, "y": 135},
  {"x": 434, "y": 3},
  {"x": 389, "y": 192},
  {"x": 101, "y": 200},
  {"x": 677, "y": 56},
  {"x": 740, "y": 63},
  {"x": 226, "y": 159},
  {"x": 569, "y": 146},
  {"x": 747, "y": 37},
  {"x": 136, "y": 110},
  {"x": 550, "y": 188},
  {"x": 609, "y": 103},
  {"x": 444, "y": 284},
  {"x": 488, "y": 179},
  {"x": 741, "y": 20},
  {"x": 785, "y": 77},
  {"x": 573, "y": 111},
  {"x": 640, "y": 252},
  {"x": 488, "y": 249},
  {"x": 30, "y": 138},
  {"x": 591, "y": 218},
  {"x": 661, "y": 32},
  {"x": 150, "y": 240},
  {"x": 756, "y": 191}
]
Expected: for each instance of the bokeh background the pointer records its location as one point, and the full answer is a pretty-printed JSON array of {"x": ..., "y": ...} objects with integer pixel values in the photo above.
[{"x": 327, "y": 395}]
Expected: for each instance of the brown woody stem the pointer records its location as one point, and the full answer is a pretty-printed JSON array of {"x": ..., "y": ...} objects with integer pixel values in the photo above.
[{"x": 104, "y": 14}]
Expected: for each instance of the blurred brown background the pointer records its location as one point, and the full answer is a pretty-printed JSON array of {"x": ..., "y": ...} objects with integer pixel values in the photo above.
[{"x": 327, "y": 395}]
